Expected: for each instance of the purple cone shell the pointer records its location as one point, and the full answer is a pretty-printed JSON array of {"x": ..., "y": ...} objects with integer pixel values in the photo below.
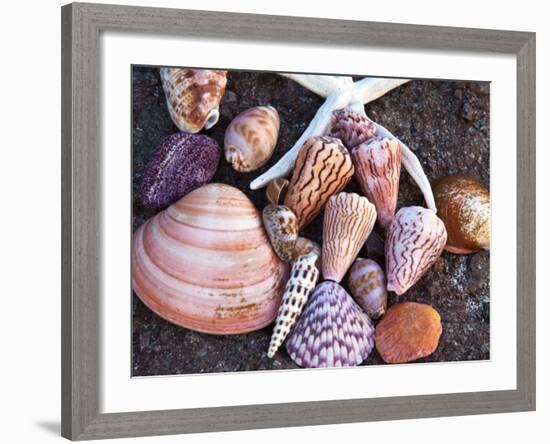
[
  {"x": 333, "y": 331},
  {"x": 351, "y": 127},
  {"x": 181, "y": 163}
]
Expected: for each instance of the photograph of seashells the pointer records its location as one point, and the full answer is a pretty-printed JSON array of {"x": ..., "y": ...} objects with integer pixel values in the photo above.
[{"x": 288, "y": 221}]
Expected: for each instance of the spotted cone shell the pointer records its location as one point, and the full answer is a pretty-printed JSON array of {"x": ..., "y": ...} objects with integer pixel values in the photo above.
[
  {"x": 349, "y": 219},
  {"x": 351, "y": 127},
  {"x": 464, "y": 206},
  {"x": 323, "y": 168},
  {"x": 303, "y": 277},
  {"x": 333, "y": 331},
  {"x": 251, "y": 137},
  {"x": 205, "y": 263},
  {"x": 408, "y": 331},
  {"x": 193, "y": 96},
  {"x": 414, "y": 241},
  {"x": 367, "y": 285},
  {"x": 282, "y": 229},
  {"x": 377, "y": 168}
]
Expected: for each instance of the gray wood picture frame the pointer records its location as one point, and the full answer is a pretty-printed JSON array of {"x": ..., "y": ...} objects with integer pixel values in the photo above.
[{"x": 81, "y": 242}]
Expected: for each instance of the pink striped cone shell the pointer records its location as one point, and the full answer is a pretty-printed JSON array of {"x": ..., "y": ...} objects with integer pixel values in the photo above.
[
  {"x": 193, "y": 96},
  {"x": 303, "y": 277},
  {"x": 414, "y": 240},
  {"x": 377, "y": 167},
  {"x": 205, "y": 263},
  {"x": 367, "y": 285},
  {"x": 349, "y": 219},
  {"x": 251, "y": 137},
  {"x": 333, "y": 331}
]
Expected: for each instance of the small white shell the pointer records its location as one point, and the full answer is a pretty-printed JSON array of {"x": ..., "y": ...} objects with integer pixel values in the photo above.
[
  {"x": 251, "y": 137},
  {"x": 303, "y": 277},
  {"x": 367, "y": 285}
]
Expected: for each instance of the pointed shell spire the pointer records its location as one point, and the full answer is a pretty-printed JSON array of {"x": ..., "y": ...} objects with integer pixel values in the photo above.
[
  {"x": 323, "y": 168},
  {"x": 332, "y": 331},
  {"x": 303, "y": 277},
  {"x": 349, "y": 219},
  {"x": 414, "y": 241},
  {"x": 377, "y": 167}
]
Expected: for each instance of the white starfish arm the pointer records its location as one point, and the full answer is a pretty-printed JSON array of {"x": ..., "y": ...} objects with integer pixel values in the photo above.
[
  {"x": 317, "y": 127},
  {"x": 409, "y": 160},
  {"x": 371, "y": 88},
  {"x": 323, "y": 86}
]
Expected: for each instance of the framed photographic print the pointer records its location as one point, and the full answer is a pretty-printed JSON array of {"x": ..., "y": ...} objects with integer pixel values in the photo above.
[{"x": 271, "y": 219}]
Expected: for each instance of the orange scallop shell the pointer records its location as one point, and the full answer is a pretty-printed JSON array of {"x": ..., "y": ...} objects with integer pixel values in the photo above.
[
  {"x": 407, "y": 332},
  {"x": 205, "y": 263}
]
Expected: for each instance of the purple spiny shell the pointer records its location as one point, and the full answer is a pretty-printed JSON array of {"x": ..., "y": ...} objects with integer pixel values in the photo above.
[
  {"x": 332, "y": 331},
  {"x": 181, "y": 163},
  {"x": 351, "y": 127}
]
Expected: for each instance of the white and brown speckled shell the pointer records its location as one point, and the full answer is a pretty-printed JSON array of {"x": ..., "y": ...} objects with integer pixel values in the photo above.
[
  {"x": 305, "y": 246},
  {"x": 349, "y": 219},
  {"x": 323, "y": 168},
  {"x": 303, "y": 278},
  {"x": 367, "y": 285},
  {"x": 377, "y": 167},
  {"x": 414, "y": 240},
  {"x": 332, "y": 330},
  {"x": 251, "y": 137},
  {"x": 282, "y": 229},
  {"x": 193, "y": 96},
  {"x": 205, "y": 263}
]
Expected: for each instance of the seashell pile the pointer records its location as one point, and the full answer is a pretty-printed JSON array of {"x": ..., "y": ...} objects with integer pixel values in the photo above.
[
  {"x": 464, "y": 206},
  {"x": 205, "y": 263},
  {"x": 193, "y": 96},
  {"x": 409, "y": 331},
  {"x": 251, "y": 137},
  {"x": 181, "y": 163},
  {"x": 332, "y": 331},
  {"x": 323, "y": 168},
  {"x": 210, "y": 262}
]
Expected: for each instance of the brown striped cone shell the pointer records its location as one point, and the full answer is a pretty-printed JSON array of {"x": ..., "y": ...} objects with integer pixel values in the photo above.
[
  {"x": 323, "y": 168},
  {"x": 332, "y": 331},
  {"x": 303, "y": 277},
  {"x": 305, "y": 246},
  {"x": 377, "y": 168},
  {"x": 282, "y": 229},
  {"x": 351, "y": 127},
  {"x": 464, "y": 206},
  {"x": 206, "y": 263},
  {"x": 367, "y": 285},
  {"x": 349, "y": 219},
  {"x": 414, "y": 240},
  {"x": 407, "y": 332},
  {"x": 251, "y": 137},
  {"x": 193, "y": 96},
  {"x": 276, "y": 190}
]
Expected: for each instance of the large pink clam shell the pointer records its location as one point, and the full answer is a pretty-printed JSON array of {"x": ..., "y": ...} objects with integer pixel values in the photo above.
[{"x": 205, "y": 263}]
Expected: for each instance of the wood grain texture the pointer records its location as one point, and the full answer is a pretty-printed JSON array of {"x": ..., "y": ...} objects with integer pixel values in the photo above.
[{"x": 81, "y": 234}]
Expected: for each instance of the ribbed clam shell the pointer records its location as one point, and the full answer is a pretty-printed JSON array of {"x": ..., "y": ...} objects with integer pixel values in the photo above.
[
  {"x": 377, "y": 167},
  {"x": 351, "y": 127},
  {"x": 367, "y": 285},
  {"x": 282, "y": 229},
  {"x": 205, "y": 263},
  {"x": 276, "y": 190},
  {"x": 349, "y": 219},
  {"x": 464, "y": 206},
  {"x": 181, "y": 163},
  {"x": 251, "y": 137},
  {"x": 303, "y": 277},
  {"x": 323, "y": 168},
  {"x": 407, "y": 332},
  {"x": 414, "y": 240},
  {"x": 193, "y": 96},
  {"x": 332, "y": 331}
]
